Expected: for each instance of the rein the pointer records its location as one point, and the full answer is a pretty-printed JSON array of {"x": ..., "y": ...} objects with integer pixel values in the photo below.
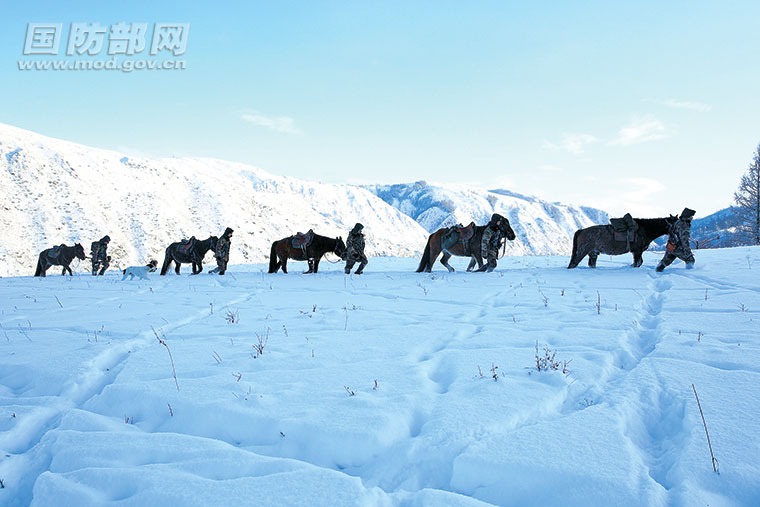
[{"x": 332, "y": 262}]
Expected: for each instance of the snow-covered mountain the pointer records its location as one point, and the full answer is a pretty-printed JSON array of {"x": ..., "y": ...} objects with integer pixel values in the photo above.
[
  {"x": 54, "y": 191},
  {"x": 541, "y": 227}
]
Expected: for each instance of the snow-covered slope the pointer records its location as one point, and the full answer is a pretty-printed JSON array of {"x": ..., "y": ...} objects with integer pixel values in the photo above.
[
  {"x": 55, "y": 191},
  {"x": 380, "y": 391},
  {"x": 541, "y": 227}
]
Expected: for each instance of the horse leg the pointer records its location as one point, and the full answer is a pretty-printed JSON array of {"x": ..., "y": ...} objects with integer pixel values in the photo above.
[
  {"x": 316, "y": 264},
  {"x": 638, "y": 260},
  {"x": 445, "y": 261},
  {"x": 592, "y": 256},
  {"x": 285, "y": 265},
  {"x": 177, "y": 264},
  {"x": 577, "y": 258},
  {"x": 311, "y": 267},
  {"x": 471, "y": 265}
]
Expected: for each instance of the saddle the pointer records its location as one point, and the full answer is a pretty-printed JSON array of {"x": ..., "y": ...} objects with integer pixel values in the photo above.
[
  {"x": 55, "y": 252},
  {"x": 456, "y": 234},
  {"x": 185, "y": 246},
  {"x": 301, "y": 240},
  {"x": 465, "y": 233},
  {"x": 624, "y": 228}
]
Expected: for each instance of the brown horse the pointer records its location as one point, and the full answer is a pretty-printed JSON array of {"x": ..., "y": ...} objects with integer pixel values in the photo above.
[
  {"x": 598, "y": 239},
  {"x": 469, "y": 249},
  {"x": 61, "y": 256},
  {"x": 283, "y": 249}
]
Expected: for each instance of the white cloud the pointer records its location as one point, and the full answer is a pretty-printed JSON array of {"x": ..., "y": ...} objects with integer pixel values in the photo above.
[
  {"x": 682, "y": 104},
  {"x": 550, "y": 168},
  {"x": 284, "y": 124},
  {"x": 641, "y": 130},
  {"x": 572, "y": 143},
  {"x": 639, "y": 190}
]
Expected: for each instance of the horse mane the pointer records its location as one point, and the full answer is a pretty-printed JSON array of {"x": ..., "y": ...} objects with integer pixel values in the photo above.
[{"x": 653, "y": 227}]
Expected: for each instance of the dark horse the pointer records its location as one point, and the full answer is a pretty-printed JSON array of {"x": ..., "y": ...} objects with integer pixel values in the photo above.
[
  {"x": 61, "y": 255},
  {"x": 193, "y": 254},
  {"x": 283, "y": 250},
  {"x": 469, "y": 249},
  {"x": 598, "y": 239}
]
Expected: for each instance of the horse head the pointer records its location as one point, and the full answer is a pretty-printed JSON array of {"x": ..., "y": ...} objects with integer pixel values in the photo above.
[
  {"x": 672, "y": 219},
  {"x": 213, "y": 241},
  {"x": 340, "y": 248},
  {"x": 505, "y": 228},
  {"x": 79, "y": 251}
]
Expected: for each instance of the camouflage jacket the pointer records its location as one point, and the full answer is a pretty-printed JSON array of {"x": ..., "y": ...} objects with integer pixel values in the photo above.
[
  {"x": 355, "y": 245},
  {"x": 99, "y": 251},
  {"x": 679, "y": 236},
  {"x": 223, "y": 249},
  {"x": 490, "y": 240}
]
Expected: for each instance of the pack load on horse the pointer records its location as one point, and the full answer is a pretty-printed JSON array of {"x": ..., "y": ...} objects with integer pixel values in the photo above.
[
  {"x": 60, "y": 255},
  {"x": 308, "y": 247},
  {"x": 678, "y": 246},
  {"x": 463, "y": 242},
  {"x": 622, "y": 235},
  {"x": 189, "y": 251}
]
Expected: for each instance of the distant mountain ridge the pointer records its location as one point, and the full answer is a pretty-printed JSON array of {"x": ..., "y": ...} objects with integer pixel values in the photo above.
[
  {"x": 54, "y": 191},
  {"x": 542, "y": 228}
]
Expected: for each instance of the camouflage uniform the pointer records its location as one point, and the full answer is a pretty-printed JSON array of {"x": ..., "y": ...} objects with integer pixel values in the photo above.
[
  {"x": 222, "y": 252},
  {"x": 99, "y": 255},
  {"x": 489, "y": 246},
  {"x": 678, "y": 242},
  {"x": 355, "y": 250}
]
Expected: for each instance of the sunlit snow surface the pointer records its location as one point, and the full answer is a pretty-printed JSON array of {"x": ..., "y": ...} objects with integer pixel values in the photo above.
[{"x": 369, "y": 388}]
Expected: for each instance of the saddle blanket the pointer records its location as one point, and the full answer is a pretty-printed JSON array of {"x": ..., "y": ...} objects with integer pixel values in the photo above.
[{"x": 301, "y": 240}]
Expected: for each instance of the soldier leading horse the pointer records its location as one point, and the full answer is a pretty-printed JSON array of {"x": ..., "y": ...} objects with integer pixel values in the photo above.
[
  {"x": 598, "y": 239},
  {"x": 303, "y": 248},
  {"x": 60, "y": 255},
  {"x": 191, "y": 252},
  {"x": 469, "y": 248}
]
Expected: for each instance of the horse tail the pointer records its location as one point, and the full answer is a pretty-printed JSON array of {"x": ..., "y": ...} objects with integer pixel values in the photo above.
[
  {"x": 425, "y": 257},
  {"x": 38, "y": 272},
  {"x": 167, "y": 260},
  {"x": 273, "y": 259},
  {"x": 575, "y": 250}
]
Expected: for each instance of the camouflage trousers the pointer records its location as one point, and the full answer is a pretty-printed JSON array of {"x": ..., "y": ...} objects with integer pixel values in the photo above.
[
  {"x": 669, "y": 257},
  {"x": 221, "y": 266},
  {"x": 350, "y": 261},
  {"x": 101, "y": 263},
  {"x": 491, "y": 259}
]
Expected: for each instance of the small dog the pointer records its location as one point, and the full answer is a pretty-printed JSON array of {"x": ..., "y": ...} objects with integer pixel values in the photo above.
[{"x": 140, "y": 272}]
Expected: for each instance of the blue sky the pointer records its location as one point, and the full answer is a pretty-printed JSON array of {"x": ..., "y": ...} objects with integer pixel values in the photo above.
[{"x": 629, "y": 106}]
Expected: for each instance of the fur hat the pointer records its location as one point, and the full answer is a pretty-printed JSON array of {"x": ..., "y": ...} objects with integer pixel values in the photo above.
[
  {"x": 227, "y": 232},
  {"x": 358, "y": 227},
  {"x": 105, "y": 239},
  {"x": 687, "y": 214}
]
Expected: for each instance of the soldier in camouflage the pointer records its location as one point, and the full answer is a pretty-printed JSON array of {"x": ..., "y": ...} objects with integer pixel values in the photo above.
[
  {"x": 355, "y": 250},
  {"x": 490, "y": 243},
  {"x": 222, "y": 252},
  {"x": 99, "y": 255},
  {"x": 678, "y": 242}
]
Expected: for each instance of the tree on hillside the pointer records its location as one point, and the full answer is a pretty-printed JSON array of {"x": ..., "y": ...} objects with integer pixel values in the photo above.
[{"x": 747, "y": 199}]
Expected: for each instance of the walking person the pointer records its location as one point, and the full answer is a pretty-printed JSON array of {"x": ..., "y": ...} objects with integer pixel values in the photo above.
[
  {"x": 222, "y": 252},
  {"x": 99, "y": 255},
  {"x": 355, "y": 250},
  {"x": 678, "y": 246}
]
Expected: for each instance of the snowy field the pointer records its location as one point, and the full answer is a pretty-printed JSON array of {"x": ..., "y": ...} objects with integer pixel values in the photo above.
[{"x": 379, "y": 389}]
